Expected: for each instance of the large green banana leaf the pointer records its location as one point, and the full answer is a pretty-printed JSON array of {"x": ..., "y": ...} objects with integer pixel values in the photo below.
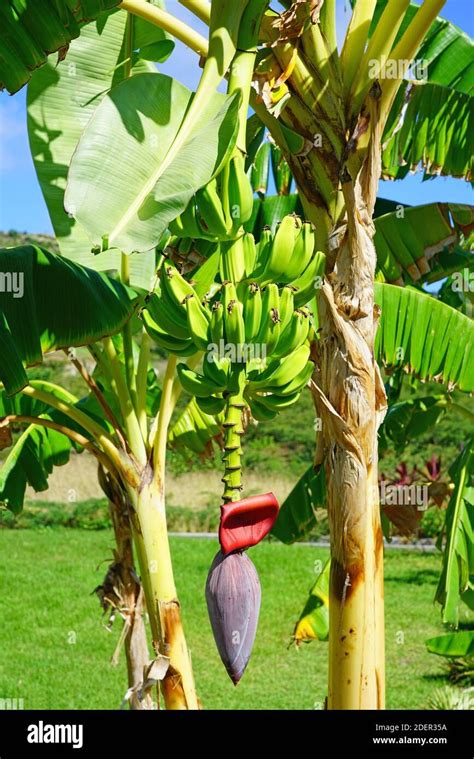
[
  {"x": 408, "y": 419},
  {"x": 48, "y": 302},
  {"x": 61, "y": 100},
  {"x": 135, "y": 170},
  {"x": 457, "y": 576},
  {"x": 33, "y": 30},
  {"x": 428, "y": 338}
]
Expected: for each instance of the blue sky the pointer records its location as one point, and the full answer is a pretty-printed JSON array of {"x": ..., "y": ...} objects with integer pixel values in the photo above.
[{"x": 21, "y": 202}]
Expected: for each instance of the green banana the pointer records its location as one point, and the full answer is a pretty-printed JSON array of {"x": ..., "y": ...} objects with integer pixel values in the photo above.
[
  {"x": 216, "y": 369},
  {"x": 232, "y": 263},
  {"x": 282, "y": 371},
  {"x": 269, "y": 332},
  {"x": 307, "y": 284},
  {"x": 239, "y": 193},
  {"x": 187, "y": 225},
  {"x": 196, "y": 384},
  {"x": 281, "y": 250},
  {"x": 234, "y": 327},
  {"x": 281, "y": 171},
  {"x": 252, "y": 311},
  {"x": 211, "y": 405},
  {"x": 260, "y": 412},
  {"x": 278, "y": 402},
  {"x": 295, "y": 385},
  {"x": 287, "y": 306},
  {"x": 263, "y": 251},
  {"x": 250, "y": 253},
  {"x": 303, "y": 251},
  {"x": 171, "y": 344},
  {"x": 175, "y": 289},
  {"x": 216, "y": 325},
  {"x": 294, "y": 335},
  {"x": 198, "y": 322},
  {"x": 161, "y": 313},
  {"x": 210, "y": 212}
]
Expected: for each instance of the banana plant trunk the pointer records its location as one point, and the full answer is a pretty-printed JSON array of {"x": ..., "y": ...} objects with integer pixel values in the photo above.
[
  {"x": 172, "y": 658},
  {"x": 351, "y": 402}
]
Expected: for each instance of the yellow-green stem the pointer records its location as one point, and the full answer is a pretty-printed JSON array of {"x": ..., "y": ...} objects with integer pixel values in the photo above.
[
  {"x": 168, "y": 23},
  {"x": 200, "y": 8},
  {"x": 128, "y": 337},
  {"x": 164, "y": 418},
  {"x": 356, "y": 40},
  {"x": 142, "y": 382},
  {"x": 119, "y": 386}
]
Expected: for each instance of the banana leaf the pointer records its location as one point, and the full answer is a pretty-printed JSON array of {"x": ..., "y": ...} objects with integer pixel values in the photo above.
[
  {"x": 128, "y": 203},
  {"x": 62, "y": 305},
  {"x": 313, "y": 623},
  {"x": 297, "y": 514},
  {"x": 457, "y": 575},
  {"x": 452, "y": 644},
  {"x": 32, "y": 31},
  {"x": 61, "y": 100},
  {"x": 194, "y": 430},
  {"x": 428, "y": 338}
]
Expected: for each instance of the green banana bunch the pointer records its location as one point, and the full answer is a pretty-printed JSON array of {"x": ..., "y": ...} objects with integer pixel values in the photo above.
[
  {"x": 187, "y": 224},
  {"x": 216, "y": 369},
  {"x": 281, "y": 250},
  {"x": 274, "y": 402},
  {"x": 196, "y": 384},
  {"x": 260, "y": 412}
]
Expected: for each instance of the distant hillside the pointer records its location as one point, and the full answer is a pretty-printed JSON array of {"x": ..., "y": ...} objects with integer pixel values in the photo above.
[{"x": 13, "y": 238}]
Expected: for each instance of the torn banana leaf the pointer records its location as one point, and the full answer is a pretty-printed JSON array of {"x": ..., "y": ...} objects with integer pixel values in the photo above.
[{"x": 313, "y": 623}]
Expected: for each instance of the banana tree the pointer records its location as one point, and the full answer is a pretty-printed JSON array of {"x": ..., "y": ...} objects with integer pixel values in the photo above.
[{"x": 330, "y": 116}]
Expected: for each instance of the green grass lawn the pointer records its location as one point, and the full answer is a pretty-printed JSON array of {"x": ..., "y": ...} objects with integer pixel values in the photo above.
[{"x": 54, "y": 651}]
